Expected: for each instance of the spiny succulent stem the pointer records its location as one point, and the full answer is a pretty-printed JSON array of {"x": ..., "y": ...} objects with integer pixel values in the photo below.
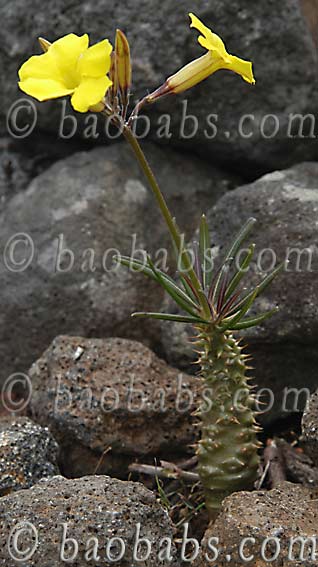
[{"x": 228, "y": 450}]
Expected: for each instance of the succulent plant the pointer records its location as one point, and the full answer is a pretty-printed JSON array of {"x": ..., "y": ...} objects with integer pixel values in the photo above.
[
  {"x": 228, "y": 449},
  {"x": 99, "y": 80}
]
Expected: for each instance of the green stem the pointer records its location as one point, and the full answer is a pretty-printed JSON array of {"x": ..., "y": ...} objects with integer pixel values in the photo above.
[
  {"x": 175, "y": 235},
  {"x": 141, "y": 158}
]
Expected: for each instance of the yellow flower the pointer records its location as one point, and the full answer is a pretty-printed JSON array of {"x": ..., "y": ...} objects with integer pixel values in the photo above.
[
  {"x": 216, "y": 58},
  {"x": 69, "y": 67}
]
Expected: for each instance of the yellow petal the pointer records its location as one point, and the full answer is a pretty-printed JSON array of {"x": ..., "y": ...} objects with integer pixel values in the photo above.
[
  {"x": 66, "y": 52},
  {"x": 241, "y": 67},
  {"x": 95, "y": 61},
  {"x": 39, "y": 67},
  {"x": 44, "y": 89},
  {"x": 89, "y": 92},
  {"x": 208, "y": 39}
]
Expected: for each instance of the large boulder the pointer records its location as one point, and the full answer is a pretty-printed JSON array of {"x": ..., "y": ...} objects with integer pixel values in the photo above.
[
  {"x": 112, "y": 397},
  {"x": 283, "y": 348},
  {"x": 161, "y": 42},
  {"x": 95, "y": 520},
  {"x": 59, "y": 236},
  {"x": 276, "y": 527}
]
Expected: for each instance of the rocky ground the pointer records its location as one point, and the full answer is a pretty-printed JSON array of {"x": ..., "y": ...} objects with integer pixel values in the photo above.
[{"x": 97, "y": 419}]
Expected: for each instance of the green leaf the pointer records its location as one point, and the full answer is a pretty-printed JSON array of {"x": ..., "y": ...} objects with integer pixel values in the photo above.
[
  {"x": 189, "y": 291},
  {"x": 205, "y": 252},
  {"x": 170, "y": 317},
  {"x": 253, "y": 321},
  {"x": 260, "y": 287},
  {"x": 178, "y": 295},
  {"x": 241, "y": 236},
  {"x": 174, "y": 291},
  {"x": 218, "y": 284},
  {"x": 234, "y": 248},
  {"x": 229, "y": 322},
  {"x": 268, "y": 279},
  {"x": 240, "y": 273}
]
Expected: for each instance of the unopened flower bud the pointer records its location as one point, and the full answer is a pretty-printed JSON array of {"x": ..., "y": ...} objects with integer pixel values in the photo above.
[
  {"x": 44, "y": 43},
  {"x": 122, "y": 65}
]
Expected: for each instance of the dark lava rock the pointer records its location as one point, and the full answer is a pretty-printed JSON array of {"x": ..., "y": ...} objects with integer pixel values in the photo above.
[
  {"x": 283, "y": 348},
  {"x": 28, "y": 453},
  {"x": 299, "y": 467},
  {"x": 58, "y": 239},
  {"x": 255, "y": 526},
  {"x": 104, "y": 516},
  {"x": 310, "y": 427},
  {"x": 112, "y": 395}
]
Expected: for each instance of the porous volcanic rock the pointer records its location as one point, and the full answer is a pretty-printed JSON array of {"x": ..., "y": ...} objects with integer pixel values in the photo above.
[
  {"x": 93, "y": 511},
  {"x": 310, "y": 427},
  {"x": 255, "y": 526},
  {"x": 28, "y": 453},
  {"x": 112, "y": 395}
]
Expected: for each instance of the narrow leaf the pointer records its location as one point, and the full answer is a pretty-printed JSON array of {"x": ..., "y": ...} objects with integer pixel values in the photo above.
[
  {"x": 189, "y": 289},
  {"x": 241, "y": 236},
  {"x": 163, "y": 279},
  {"x": 241, "y": 272},
  {"x": 205, "y": 252},
  {"x": 231, "y": 321},
  {"x": 170, "y": 317},
  {"x": 222, "y": 276},
  {"x": 268, "y": 279},
  {"x": 253, "y": 321},
  {"x": 261, "y": 287},
  {"x": 197, "y": 263},
  {"x": 174, "y": 291}
]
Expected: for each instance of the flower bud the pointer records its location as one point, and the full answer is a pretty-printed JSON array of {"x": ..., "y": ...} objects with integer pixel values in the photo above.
[
  {"x": 122, "y": 65},
  {"x": 44, "y": 43},
  {"x": 99, "y": 107}
]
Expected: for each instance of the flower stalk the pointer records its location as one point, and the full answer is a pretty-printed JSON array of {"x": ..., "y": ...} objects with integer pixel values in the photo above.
[{"x": 171, "y": 225}]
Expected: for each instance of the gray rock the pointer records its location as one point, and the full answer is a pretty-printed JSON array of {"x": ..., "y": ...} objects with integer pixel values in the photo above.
[
  {"x": 112, "y": 395},
  {"x": 285, "y": 204},
  {"x": 259, "y": 524},
  {"x": 15, "y": 171},
  {"x": 93, "y": 204},
  {"x": 93, "y": 511},
  {"x": 21, "y": 161},
  {"x": 276, "y": 36},
  {"x": 310, "y": 427},
  {"x": 28, "y": 453}
]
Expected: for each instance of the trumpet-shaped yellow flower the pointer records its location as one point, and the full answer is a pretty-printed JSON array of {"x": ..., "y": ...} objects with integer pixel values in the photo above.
[
  {"x": 219, "y": 57},
  {"x": 216, "y": 58},
  {"x": 69, "y": 67}
]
